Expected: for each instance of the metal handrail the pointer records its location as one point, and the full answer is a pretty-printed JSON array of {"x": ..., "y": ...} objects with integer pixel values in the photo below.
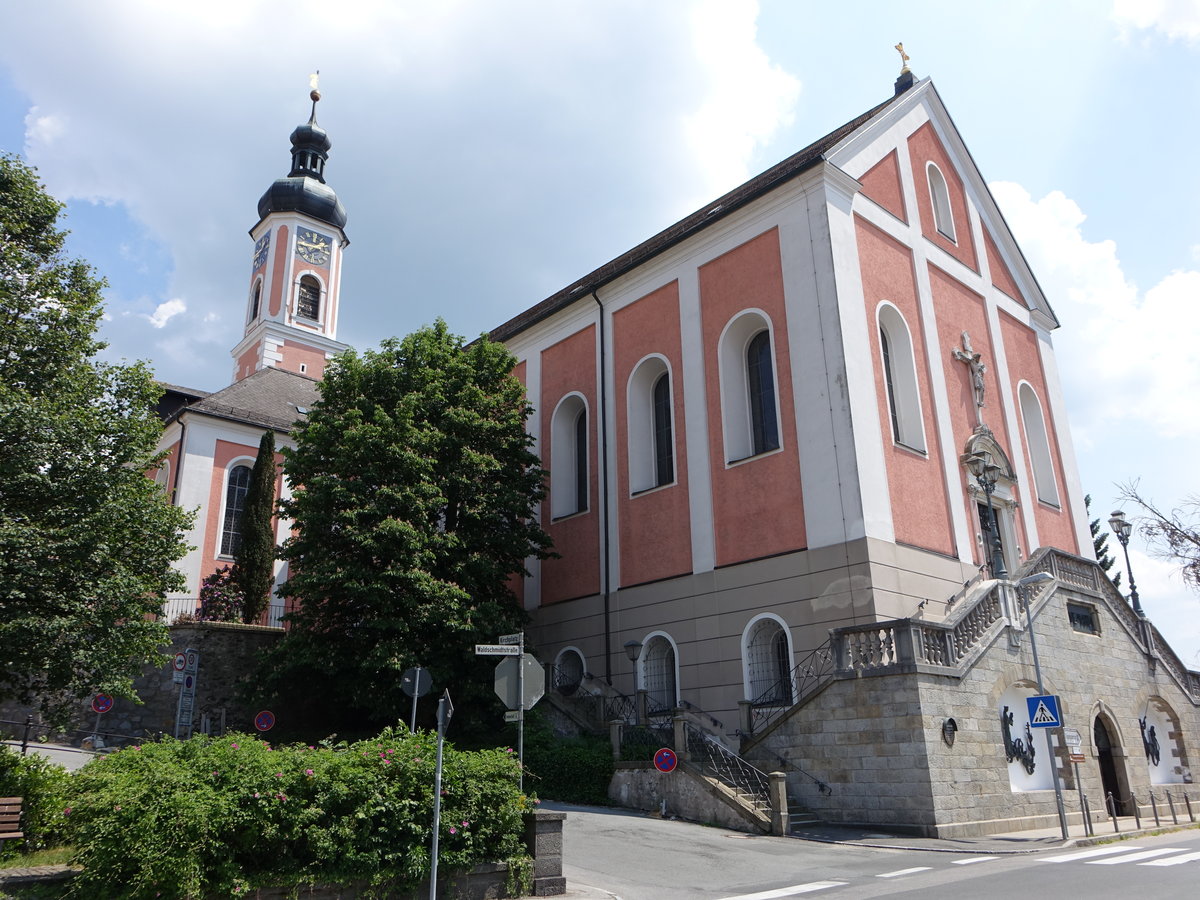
[
  {"x": 718, "y": 761},
  {"x": 815, "y": 670},
  {"x": 822, "y": 787}
]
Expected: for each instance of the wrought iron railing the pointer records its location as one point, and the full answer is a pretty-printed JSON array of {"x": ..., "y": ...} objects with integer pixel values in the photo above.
[
  {"x": 641, "y": 742},
  {"x": 566, "y": 681},
  {"x": 598, "y": 709},
  {"x": 179, "y": 610},
  {"x": 813, "y": 671},
  {"x": 718, "y": 761}
]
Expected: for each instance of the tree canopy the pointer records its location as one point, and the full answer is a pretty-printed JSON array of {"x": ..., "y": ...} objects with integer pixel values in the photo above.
[
  {"x": 415, "y": 503},
  {"x": 87, "y": 541}
]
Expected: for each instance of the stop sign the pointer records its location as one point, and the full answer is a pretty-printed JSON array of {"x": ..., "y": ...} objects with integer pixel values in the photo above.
[{"x": 506, "y": 681}]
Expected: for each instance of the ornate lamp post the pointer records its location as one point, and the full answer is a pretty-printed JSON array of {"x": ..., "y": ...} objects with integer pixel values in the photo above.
[
  {"x": 985, "y": 470},
  {"x": 1123, "y": 529}
]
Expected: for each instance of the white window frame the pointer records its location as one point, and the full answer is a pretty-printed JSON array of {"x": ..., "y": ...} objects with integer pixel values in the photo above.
[
  {"x": 939, "y": 195},
  {"x": 737, "y": 425},
  {"x": 905, "y": 396},
  {"x": 563, "y": 472},
  {"x": 641, "y": 662},
  {"x": 229, "y": 467},
  {"x": 641, "y": 425},
  {"x": 1037, "y": 439},
  {"x": 747, "y": 675},
  {"x": 322, "y": 300}
]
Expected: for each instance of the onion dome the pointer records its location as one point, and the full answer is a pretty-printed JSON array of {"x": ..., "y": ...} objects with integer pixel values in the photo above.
[{"x": 304, "y": 189}]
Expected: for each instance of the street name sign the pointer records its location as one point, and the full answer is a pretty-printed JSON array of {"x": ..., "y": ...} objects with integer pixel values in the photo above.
[
  {"x": 497, "y": 650},
  {"x": 1043, "y": 711}
]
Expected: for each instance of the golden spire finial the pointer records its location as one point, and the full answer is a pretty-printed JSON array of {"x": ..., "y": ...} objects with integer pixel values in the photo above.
[
  {"x": 313, "y": 92},
  {"x": 903, "y": 57}
]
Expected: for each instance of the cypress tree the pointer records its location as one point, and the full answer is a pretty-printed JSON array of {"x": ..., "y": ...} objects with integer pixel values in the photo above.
[{"x": 254, "y": 567}]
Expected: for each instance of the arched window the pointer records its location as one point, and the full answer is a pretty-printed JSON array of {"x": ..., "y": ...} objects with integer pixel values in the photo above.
[
  {"x": 1039, "y": 445},
  {"x": 570, "y": 485},
  {"x": 255, "y": 299},
  {"x": 768, "y": 663},
  {"x": 568, "y": 671},
  {"x": 651, "y": 429},
  {"x": 760, "y": 376},
  {"x": 308, "y": 298},
  {"x": 749, "y": 404},
  {"x": 235, "y": 501},
  {"x": 162, "y": 477},
  {"x": 943, "y": 218},
  {"x": 900, "y": 379},
  {"x": 658, "y": 675}
]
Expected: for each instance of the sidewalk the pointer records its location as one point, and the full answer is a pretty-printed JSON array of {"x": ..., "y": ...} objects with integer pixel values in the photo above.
[{"x": 1012, "y": 842}]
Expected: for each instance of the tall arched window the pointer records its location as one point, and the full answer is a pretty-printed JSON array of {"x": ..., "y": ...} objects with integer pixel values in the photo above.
[
  {"x": 255, "y": 299},
  {"x": 658, "y": 675},
  {"x": 650, "y": 425},
  {"x": 235, "y": 501},
  {"x": 900, "y": 379},
  {"x": 308, "y": 298},
  {"x": 939, "y": 193},
  {"x": 569, "y": 482},
  {"x": 749, "y": 403},
  {"x": 1039, "y": 445},
  {"x": 760, "y": 378},
  {"x": 768, "y": 663}
]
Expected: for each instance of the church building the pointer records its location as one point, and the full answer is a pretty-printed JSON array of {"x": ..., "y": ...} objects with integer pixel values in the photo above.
[{"x": 811, "y": 485}]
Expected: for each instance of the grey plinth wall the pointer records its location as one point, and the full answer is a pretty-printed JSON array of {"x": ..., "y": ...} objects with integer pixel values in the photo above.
[{"x": 543, "y": 837}]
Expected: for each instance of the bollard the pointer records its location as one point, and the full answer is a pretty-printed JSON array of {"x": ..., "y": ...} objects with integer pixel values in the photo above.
[
  {"x": 1171, "y": 803},
  {"x": 1154, "y": 806},
  {"x": 1112, "y": 812},
  {"x": 1188, "y": 801},
  {"x": 1087, "y": 814},
  {"x": 1137, "y": 812},
  {"x": 25, "y": 739}
]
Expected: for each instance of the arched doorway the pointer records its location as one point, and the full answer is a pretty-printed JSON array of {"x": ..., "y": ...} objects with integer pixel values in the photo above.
[
  {"x": 658, "y": 676},
  {"x": 1112, "y": 770}
]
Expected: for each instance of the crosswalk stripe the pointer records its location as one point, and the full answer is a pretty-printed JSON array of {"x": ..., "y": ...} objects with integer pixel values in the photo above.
[
  {"x": 900, "y": 872},
  {"x": 788, "y": 891},
  {"x": 973, "y": 859},
  {"x": 1086, "y": 854},
  {"x": 1173, "y": 860},
  {"x": 1135, "y": 857}
]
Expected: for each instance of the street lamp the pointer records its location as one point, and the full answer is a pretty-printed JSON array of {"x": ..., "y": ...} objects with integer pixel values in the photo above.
[
  {"x": 986, "y": 473},
  {"x": 1123, "y": 529},
  {"x": 1025, "y": 593}
]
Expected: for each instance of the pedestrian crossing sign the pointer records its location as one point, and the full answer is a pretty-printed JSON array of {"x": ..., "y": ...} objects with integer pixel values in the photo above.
[{"x": 1043, "y": 711}]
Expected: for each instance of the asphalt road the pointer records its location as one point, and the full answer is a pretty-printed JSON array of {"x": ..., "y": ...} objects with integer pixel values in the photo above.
[{"x": 634, "y": 857}]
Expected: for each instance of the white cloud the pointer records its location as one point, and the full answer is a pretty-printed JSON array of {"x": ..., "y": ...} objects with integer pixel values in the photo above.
[
  {"x": 1128, "y": 358},
  {"x": 1176, "y": 19},
  {"x": 747, "y": 100},
  {"x": 164, "y": 312},
  {"x": 41, "y": 131}
]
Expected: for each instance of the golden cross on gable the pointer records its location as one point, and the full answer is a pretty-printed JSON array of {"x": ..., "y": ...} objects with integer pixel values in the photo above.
[{"x": 904, "y": 57}]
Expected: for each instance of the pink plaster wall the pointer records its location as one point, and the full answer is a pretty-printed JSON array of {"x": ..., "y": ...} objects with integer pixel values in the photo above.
[
  {"x": 570, "y": 365},
  {"x": 924, "y": 147},
  {"x": 1054, "y": 524},
  {"x": 247, "y": 363},
  {"x": 920, "y": 504},
  {"x": 295, "y": 353},
  {"x": 1001, "y": 278},
  {"x": 279, "y": 267},
  {"x": 881, "y": 183},
  {"x": 757, "y": 504},
  {"x": 959, "y": 309},
  {"x": 654, "y": 529}
]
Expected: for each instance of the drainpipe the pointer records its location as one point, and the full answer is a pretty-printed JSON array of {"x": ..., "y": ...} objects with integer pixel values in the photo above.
[{"x": 605, "y": 534}]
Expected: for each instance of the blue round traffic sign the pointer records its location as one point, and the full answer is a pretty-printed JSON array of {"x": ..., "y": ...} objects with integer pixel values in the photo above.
[
  {"x": 265, "y": 720},
  {"x": 665, "y": 760},
  {"x": 102, "y": 703}
]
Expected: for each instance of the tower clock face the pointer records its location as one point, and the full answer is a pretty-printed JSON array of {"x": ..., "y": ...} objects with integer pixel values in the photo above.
[
  {"x": 261, "y": 246},
  {"x": 312, "y": 247}
]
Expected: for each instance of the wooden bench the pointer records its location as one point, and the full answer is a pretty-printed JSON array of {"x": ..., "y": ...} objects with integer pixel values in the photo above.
[{"x": 10, "y": 819}]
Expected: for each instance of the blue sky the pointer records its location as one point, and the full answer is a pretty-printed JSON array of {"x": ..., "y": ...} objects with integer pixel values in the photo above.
[{"x": 490, "y": 153}]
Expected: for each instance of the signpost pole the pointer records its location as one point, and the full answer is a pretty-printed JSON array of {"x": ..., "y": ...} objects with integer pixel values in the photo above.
[
  {"x": 445, "y": 711},
  {"x": 412, "y": 727},
  {"x": 1025, "y": 585},
  {"x": 521, "y": 714}
]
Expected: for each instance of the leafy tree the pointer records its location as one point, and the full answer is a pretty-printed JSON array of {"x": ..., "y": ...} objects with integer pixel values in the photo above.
[
  {"x": 86, "y": 540},
  {"x": 1100, "y": 544},
  {"x": 417, "y": 504},
  {"x": 1172, "y": 535},
  {"x": 254, "y": 563}
]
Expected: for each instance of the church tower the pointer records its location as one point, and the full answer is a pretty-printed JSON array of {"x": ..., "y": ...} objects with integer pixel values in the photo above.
[{"x": 296, "y": 269}]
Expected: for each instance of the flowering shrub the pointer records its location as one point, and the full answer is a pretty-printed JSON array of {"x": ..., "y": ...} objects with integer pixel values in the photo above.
[
  {"x": 223, "y": 816},
  {"x": 220, "y": 598}
]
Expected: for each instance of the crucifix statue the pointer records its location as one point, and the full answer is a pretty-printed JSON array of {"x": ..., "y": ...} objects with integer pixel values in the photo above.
[{"x": 975, "y": 363}]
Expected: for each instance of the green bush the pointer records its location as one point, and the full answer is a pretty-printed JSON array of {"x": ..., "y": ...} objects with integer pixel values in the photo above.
[
  {"x": 224, "y": 816},
  {"x": 43, "y": 785},
  {"x": 569, "y": 769}
]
